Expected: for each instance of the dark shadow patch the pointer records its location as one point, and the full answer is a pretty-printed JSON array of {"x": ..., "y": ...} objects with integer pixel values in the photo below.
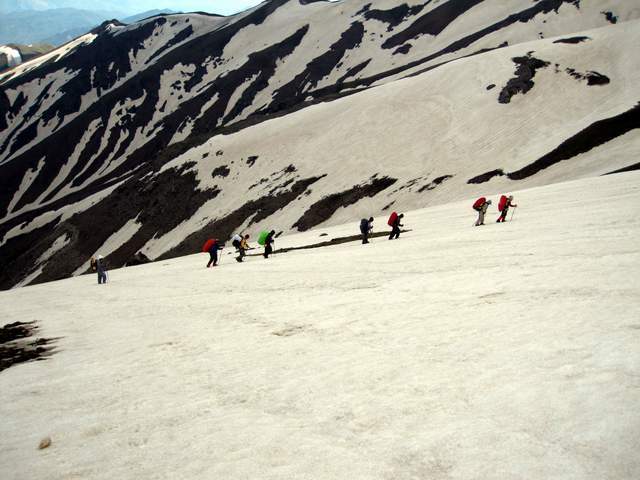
[
  {"x": 572, "y": 40},
  {"x": 485, "y": 177},
  {"x": 491, "y": 86},
  {"x": 252, "y": 160},
  {"x": 256, "y": 210},
  {"x": 388, "y": 206},
  {"x": 435, "y": 182},
  {"x": 15, "y": 347},
  {"x": 323, "y": 209},
  {"x": 593, "y": 136},
  {"x": 523, "y": 81},
  {"x": 611, "y": 18},
  {"x": 329, "y": 243},
  {"x": 221, "y": 171},
  {"x": 592, "y": 78}
]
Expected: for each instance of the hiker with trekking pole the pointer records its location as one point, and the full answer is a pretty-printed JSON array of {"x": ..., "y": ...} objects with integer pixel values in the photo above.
[
  {"x": 394, "y": 223},
  {"x": 241, "y": 244},
  {"x": 267, "y": 239},
  {"x": 212, "y": 246},
  {"x": 99, "y": 265},
  {"x": 503, "y": 207},
  {"x": 366, "y": 226}
]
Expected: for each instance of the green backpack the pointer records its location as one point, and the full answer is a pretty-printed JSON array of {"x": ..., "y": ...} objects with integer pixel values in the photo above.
[{"x": 263, "y": 237}]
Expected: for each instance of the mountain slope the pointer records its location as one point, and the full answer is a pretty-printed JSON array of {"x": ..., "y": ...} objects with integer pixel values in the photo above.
[
  {"x": 255, "y": 105},
  {"x": 454, "y": 352}
]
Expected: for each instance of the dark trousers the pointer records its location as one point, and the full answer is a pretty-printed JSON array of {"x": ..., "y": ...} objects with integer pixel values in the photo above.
[
  {"x": 268, "y": 250},
  {"x": 102, "y": 276},
  {"x": 395, "y": 233},
  {"x": 241, "y": 254},
  {"x": 365, "y": 237},
  {"x": 503, "y": 215},
  {"x": 213, "y": 259}
]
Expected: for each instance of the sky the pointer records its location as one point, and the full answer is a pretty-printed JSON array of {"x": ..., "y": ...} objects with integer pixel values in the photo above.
[{"x": 225, "y": 7}]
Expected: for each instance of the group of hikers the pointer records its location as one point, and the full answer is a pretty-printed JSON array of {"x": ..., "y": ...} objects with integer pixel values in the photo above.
[
  {"x": 267, "y": 239},
  {"x": 481, "y": 206},
  {"x": 241, "y": 243},
  {"x": 366, "y": 227}
]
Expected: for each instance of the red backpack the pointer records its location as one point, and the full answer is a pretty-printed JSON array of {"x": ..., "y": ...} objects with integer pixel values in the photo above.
[
  {"x": 392, "y": 218},
  {"x": 208, "y": 244},
  {"x": 478, "y": 203},
  {"x": 503, "y": 202}
]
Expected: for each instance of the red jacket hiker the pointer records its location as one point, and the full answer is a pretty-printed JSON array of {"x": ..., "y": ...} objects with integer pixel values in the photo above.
[{"x": 503, "y": 206}]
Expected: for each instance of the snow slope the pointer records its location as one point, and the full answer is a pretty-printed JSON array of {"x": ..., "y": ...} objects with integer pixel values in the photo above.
[{"x": 504, "y": 351}]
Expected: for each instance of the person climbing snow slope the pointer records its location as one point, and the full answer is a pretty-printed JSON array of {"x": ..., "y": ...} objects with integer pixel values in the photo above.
[
  {"x": 366, "y": 226},
  {"x": 481, "y": 205},
  {"x": 268, "y": 243},
  {"x": 99, "y": 265},
  {"x": 395, "y": 224},
  {"x": 503, "y": 206},
  {"x": 242, "y": 247},
  {"x": 213, "y": 254}
]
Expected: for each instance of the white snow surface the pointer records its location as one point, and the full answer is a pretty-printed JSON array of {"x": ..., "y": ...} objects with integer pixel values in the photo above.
[{"x": 503, "y": 351}]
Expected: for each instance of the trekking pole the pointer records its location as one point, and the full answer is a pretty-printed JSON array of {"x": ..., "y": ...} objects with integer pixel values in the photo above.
[{"x": 513, "y": 213}]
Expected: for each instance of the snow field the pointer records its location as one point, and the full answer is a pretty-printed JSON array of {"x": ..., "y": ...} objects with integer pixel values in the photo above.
[{"x": 502, "y": 351}]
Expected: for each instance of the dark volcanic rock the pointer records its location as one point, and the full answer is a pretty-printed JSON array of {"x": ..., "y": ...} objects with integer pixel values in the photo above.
[
  {"x": 523, "y": 81},
  {"x": 611, "y": 18},
  {"x": 434, "y": 183},
  {"x": 594, "y": 135},
  {"x": 14, "y": 348},
  {"x": 404, "y": 49},
  {"x": 323, "y": 209},
  {"x": 592, "y": 78},
  {"x": 572, "y": 40},
  {"x": 138, "y": 259},
  {"x": 221, "y": 171},
  {"x": 159, "y": 202},
  {"x": 257, "y": 210},
  {"x": 485, "y": 177},
  {"x": 394, "y": 16},
  {"x": 433, "y": 22}
]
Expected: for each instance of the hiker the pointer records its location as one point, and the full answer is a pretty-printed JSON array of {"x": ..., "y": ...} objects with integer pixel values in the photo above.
[
  {"x": 395, "y": 226},
  {"x": 366, "y": 227},
  {"x": 99, "y": 265},
  {"x": 481, "y": 205},
  {"x": 268, "y": 243},
  {"x": 236, "y": 240},
  {"x": 503, "y": 206},
  {"x": 213, "y": 254},
  {"x": 242, "y": 247}
]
